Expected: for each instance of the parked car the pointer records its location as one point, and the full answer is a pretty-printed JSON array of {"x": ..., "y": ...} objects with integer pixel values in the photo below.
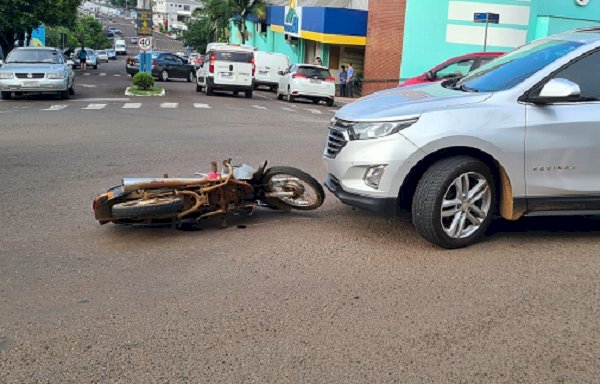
[
  {"x": 102, "y": 56},
  {"x": 132, "y": 65},
  {"x": 36, "y": 70},
  {"x": 308, "y": 81},
  {"x": 227, "y": 67},
  {"x": 165, "y": 66},
  {"x": 454, "y": 67},
  {"x": 268, "y": 66},
  {"x": 112, "y": 55},
  {"x": 91, "y": 59},
  {"x": 133, "y": 40},
  {"x": 109, "y": 34},
  {"x": 516, "y": 137}
]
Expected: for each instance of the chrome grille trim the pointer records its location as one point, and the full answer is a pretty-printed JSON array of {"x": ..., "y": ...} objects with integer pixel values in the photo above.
[
  {"x": 337, "y": 138},
  {"x": 33, "y": 75}
]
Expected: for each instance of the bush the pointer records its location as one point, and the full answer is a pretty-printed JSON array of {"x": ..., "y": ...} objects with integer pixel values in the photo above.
[{"x": 143, "y": 80}]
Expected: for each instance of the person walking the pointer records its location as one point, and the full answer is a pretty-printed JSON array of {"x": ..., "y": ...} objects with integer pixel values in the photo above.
[
  {"x": 343, "y": 76},
  {"x": 350, "y": 81},
  {"x": 82, "y": 59}
]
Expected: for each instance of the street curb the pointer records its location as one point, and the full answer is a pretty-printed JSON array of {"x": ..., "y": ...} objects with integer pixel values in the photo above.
[{"x": 129, "y": 93}]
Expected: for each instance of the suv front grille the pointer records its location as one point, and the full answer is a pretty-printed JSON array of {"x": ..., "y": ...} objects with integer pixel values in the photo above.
[
  {"x": 27, "y": 75},
  {"x": 335, "y": 142}
]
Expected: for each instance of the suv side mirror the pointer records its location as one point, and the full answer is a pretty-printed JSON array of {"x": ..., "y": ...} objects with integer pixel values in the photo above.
[
  {"x": 280, "y": 73},
  {"x": 429, "y": 75},
  {"x": 557, "y": 90}
]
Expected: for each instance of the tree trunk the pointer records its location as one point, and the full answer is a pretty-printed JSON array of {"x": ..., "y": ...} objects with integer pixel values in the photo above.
[{"x": 243, "y": 30}]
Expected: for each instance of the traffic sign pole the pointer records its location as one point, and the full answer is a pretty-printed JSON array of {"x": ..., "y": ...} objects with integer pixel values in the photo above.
[{"x": 487, "y": 23}]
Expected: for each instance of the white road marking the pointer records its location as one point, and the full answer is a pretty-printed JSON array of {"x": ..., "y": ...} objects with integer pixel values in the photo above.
[
  {"x": 95, "y": 106},
  {"x": 289, "y": 109},
  {"x": 56, "y": 107},
  {"x": 313, "y": 111},
  {"x": 86, "y": 85},
  {"x": 102, "y": 74},
  {"x": 169, "y": 105},
  {"x": 86, "y": 74},
  {"x": 200, "y": 105},
  {"x": 116, "y": 75},
  {"x": 104, "y": 99},
  {"x": 263, "y": 96},
  {"x": 132, "y": 105},
  {"x": 259, "y": 106}
]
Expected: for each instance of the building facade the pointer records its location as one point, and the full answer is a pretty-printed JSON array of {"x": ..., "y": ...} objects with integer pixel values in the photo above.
[
  {"x": 173, "y": 14},
  {"x": 408, "y": 37},
  {"x": 336, "y": 35}
]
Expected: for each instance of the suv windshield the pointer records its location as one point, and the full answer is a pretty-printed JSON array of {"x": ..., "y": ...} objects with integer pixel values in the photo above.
[
  {"x": 314, "y": 73},
  {"x": 516, "y": 66},
  {"x": 33, "y": 56},
  {"x": 238, "y": 57}
]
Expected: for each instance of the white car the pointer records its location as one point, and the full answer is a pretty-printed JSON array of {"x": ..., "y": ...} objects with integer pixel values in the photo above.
[
  {"x": 313, "y": 82},
  {"x": 227, "y": 67},
  {"x": 102, "y": 56}
]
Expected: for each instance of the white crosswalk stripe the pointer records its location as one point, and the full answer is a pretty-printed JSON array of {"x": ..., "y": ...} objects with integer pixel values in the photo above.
[
  {"x": 169, "y": 105},
  {"x": 116, "y": 74},
  {"x": 289, "y": 109},
  {"x": 259, "y": 106},
  {"x": 200, "y": 105},
  {"x": 95, "y": 106},
  {"x": 102, "y": 74},
  {"x": 56, "y": 107},
  {"x": 132, "y": 105},
  {"x": 86, "y": 74},
  {"x": 313, "y": 111}
]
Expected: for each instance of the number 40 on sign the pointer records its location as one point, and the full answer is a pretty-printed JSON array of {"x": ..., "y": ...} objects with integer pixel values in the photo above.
[{"x": 145, "y": 43}]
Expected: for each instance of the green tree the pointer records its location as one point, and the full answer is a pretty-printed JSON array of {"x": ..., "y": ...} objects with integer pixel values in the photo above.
[
  {"x": 88, "y": 32},
  {"x": 215, "y": 16},
  {"x": 200, "y": 32},
  {"x": 241, "y": 9},
  {"x": 20, "y": 17}
]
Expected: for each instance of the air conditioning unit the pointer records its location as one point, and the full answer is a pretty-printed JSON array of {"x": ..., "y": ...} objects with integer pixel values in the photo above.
[{"x": 291, "y": 39}]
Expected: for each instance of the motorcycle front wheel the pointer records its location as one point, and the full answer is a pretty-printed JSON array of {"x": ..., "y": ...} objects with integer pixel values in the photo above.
[
  {"x": 150, "y": 208},
  {"x": 290, "y": 188}
]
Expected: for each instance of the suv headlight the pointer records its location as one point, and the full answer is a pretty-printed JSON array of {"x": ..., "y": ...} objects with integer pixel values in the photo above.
[
  {"x": 57, "y": 75},
  {"x": 365, "y": 131},
  {"x": 7, "y": 75}
]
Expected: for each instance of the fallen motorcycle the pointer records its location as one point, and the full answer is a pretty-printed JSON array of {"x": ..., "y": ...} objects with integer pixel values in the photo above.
[{"x": 237, "y": 189}]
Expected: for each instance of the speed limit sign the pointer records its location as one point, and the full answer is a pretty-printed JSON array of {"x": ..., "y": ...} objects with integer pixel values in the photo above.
[{"x": 145, "y": 43}]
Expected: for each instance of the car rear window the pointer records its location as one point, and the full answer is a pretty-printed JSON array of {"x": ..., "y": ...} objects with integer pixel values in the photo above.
[
  {"x": 238, "y": 57},
  {"x": 314, "y": 73}
]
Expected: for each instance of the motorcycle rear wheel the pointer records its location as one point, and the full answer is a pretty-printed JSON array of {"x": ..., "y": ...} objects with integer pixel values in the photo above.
[
  {"x": 146, "y": 209},
  {"x": 308, "y": 194}
]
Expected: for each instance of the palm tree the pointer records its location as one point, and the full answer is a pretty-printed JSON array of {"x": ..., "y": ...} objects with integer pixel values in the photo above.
[{"x": 242, "y": 9}]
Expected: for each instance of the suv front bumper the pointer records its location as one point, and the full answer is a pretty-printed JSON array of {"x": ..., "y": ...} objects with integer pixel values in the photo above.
[{"x": 386, "y": 207}]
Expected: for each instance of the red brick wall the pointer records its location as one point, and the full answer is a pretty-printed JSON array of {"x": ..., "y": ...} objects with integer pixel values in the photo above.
[{"x": 385, "y": 36}]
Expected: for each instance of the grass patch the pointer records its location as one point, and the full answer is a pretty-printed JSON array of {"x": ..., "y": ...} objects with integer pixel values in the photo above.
[{"x": 154, "y": 91}]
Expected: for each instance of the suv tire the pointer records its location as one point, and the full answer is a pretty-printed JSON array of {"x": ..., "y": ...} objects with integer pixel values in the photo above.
[
  {"x": 248, "y": 94},
  {"x": 209, "y": 90},
  {"x": 454, "y": 202},
  {"x": 6, "y": 95},
  {"x": 198, "y": 88}
]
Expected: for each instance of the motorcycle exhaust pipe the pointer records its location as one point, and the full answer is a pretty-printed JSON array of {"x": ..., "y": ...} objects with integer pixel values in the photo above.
[{"x": 135, "y": 183}]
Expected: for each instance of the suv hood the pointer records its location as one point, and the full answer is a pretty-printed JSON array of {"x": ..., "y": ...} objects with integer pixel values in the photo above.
[
  {"x": 26, "y": 68},
  {"x": 397, "y": 102}
]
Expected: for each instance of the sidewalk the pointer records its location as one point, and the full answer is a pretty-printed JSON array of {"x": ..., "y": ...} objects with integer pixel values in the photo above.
[{"x": 341, "y": 101}]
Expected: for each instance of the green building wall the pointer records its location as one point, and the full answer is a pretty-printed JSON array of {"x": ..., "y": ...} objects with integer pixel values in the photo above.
[{"x": 268, "y": 41}]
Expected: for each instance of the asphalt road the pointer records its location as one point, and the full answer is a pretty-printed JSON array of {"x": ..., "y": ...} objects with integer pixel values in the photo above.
[{"x": 335, "y": 295}]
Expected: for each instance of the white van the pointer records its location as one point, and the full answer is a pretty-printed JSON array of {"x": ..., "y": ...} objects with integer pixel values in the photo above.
[
  {"x": 227, "y": 67},
  {"x": 268, "y": 64},
  {"x": 120, "y": 47}
]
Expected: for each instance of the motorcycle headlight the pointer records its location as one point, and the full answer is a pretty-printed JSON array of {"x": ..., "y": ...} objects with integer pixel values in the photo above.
[
  {"x": 57, "y": 75},
  {"x": 365, "y": 131},
  {"x": 7, "y": 75}
]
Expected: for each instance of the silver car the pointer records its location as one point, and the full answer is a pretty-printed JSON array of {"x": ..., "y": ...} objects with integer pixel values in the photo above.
[
  {"x": 518, "y": 136},
  {"x": 36, "y": 70}
]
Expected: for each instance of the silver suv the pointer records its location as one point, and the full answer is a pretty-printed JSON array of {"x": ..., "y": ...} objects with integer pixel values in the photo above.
[{"x": 518, "y": 136}]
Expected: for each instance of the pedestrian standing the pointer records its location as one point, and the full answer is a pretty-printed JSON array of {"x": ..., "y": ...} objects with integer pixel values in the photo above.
[
  {"x": 343, "y": 76},
  {"x": 350, "y": 82},
  {"x": 82, "y": 59},
  {"x": 318, "y": 61}
]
